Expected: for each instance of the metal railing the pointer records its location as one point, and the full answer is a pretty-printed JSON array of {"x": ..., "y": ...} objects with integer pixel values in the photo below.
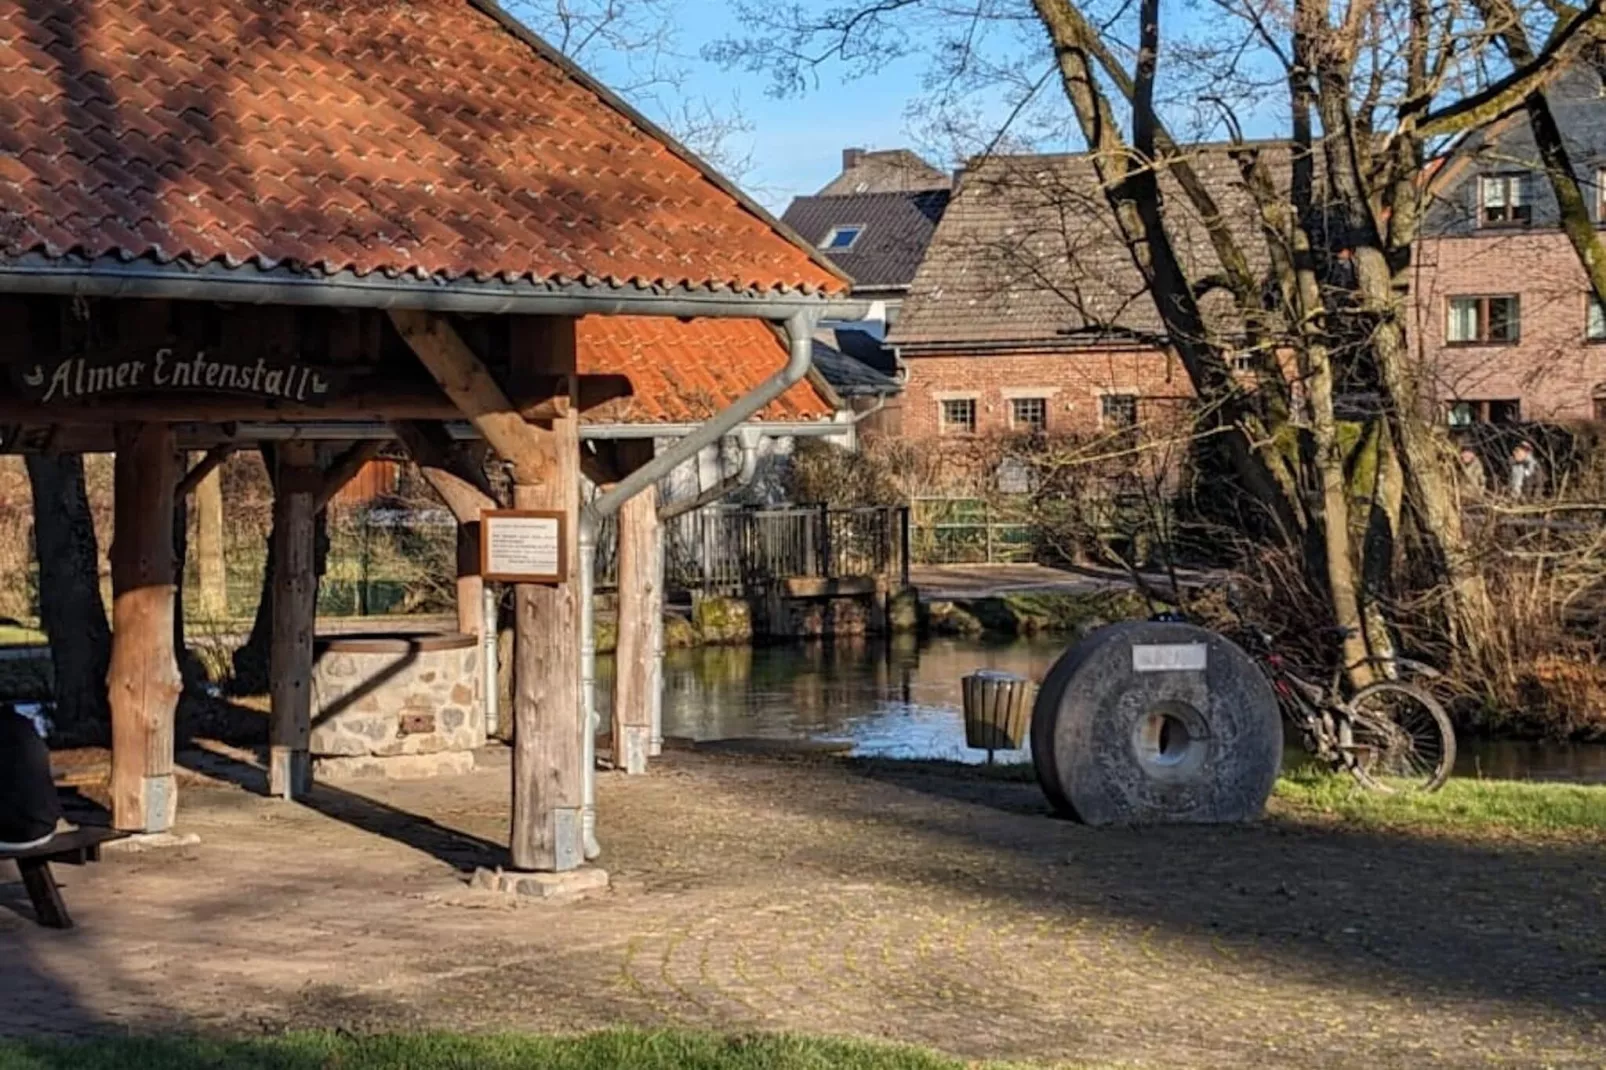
[{"x": 729, "y": 550}]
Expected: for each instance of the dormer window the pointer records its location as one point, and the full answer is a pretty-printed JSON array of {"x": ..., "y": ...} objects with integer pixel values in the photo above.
[
  {"x": 1503, "y": 200},
  {"x": 841, "y": 238}
]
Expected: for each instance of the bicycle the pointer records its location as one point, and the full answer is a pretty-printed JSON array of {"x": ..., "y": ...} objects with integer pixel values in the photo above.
[{"x": 1390, "y": 735}]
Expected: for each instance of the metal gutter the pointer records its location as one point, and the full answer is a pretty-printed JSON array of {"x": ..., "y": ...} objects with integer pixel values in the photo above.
[
  {"x": 249, "y": 284},
  {"x": 463, "y": 431},
  {"x": 800, "y": 350}
]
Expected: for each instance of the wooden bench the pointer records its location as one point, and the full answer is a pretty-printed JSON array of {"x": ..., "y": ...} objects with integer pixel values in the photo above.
[{"x": 75, "y": 848}]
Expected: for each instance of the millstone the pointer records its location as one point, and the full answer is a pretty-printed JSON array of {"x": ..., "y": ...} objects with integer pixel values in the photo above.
[{"x": 1155, "y": 721}]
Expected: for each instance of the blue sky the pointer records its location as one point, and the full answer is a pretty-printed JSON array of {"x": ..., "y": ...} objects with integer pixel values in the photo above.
[{"x": 796, "y": 144}]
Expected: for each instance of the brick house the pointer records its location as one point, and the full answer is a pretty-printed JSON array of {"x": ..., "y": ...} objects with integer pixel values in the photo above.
[
  {"x": 1027, "y": 313},
  {"x": 1506, "y": 322}
]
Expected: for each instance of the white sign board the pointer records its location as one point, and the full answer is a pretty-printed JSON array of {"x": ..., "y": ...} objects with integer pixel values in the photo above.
[
  {"x": 1170, "y": 657},
  {"x": 522, "y": 545}
]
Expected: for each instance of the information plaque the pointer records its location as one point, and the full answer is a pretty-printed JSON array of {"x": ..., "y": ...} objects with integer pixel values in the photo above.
[{"x": 523, "y": 545}]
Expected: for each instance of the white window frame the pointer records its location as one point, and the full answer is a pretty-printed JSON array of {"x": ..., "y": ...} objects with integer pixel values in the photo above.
[
  {"x": 827, "y": 243},
  {"x": 1041, "y": 424},
  {"x": 1104, "y": 418},
  {"x": 944, "y": 427},
  {"x": 1514, "y": 195},
  {"x": 1594, "y": 319}
]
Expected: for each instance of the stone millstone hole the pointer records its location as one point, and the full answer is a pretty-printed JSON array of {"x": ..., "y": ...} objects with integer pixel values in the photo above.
[{"x": 1169, "y": 735}]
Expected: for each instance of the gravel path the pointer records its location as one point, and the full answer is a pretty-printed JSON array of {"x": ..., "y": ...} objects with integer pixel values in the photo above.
[{"x": 887, "y": 901}]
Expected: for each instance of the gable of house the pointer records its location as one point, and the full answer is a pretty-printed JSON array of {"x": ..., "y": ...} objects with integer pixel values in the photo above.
[
  {"x": 1502, "y": 163},
  {"x": 1028, "y": 254}
]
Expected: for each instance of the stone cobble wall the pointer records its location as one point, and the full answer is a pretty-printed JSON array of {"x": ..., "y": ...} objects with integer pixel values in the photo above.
[{"x": 380, "y": 712}]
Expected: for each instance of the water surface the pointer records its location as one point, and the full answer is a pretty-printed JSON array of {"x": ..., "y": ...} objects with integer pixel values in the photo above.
[{"x": 901, "y": 699}]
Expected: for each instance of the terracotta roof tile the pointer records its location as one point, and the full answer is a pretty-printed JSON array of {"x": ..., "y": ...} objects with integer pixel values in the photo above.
[
  {"x": 396, "y": 136},
  {"x": 686, "y": 371}
]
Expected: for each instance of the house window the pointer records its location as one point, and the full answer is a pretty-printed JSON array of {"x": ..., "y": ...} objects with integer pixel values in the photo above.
[
  {"x": 1595, "y": 322},
  {"x": 841, "y": 238},
  {"x": 1118, "y": 411},
  {"x": 1482, "y": 320},
  {"x": 1503, "y": 200},
  {"x": 959, "y": 416},
  {"x": 1028, "y": 414},
  {"x": 1471, "y": 411}
]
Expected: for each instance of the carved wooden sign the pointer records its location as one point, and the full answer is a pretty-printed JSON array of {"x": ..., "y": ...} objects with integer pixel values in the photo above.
[
  {"x": 170, "y": 370},
  {"x": 523, "y": 545}
]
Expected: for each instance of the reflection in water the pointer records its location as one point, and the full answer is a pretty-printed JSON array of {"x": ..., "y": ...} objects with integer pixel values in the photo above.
[{"x": 901, "y": 699}]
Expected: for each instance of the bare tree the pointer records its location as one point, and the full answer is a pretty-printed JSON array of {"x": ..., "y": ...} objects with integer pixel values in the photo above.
[
  {"x": 1307, "y": 274},
  {"x": 635, "y": 47}
]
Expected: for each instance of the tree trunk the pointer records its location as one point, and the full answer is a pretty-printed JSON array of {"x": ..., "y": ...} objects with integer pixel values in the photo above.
[
  {"x": 70, "y": 606},
  {"x": 213, "y": 575}
]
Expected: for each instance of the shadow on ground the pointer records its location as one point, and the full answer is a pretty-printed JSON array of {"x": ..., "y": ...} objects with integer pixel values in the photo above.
[{"x": 1399, "y": 914}]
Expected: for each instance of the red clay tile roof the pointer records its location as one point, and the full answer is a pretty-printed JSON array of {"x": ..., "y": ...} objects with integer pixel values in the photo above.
[
  {"x": 686, "y": 371},
  {"x": 421, "y": 137}
]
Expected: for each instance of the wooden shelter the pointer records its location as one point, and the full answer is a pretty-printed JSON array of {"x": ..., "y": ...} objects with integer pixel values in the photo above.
[{"x": 291, "y": 216}]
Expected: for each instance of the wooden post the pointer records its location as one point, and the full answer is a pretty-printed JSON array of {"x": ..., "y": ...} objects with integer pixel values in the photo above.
[
  {"x": 548, "y": 756},
  {"x": 641, "y": 617},
  {"x": 549, "y": 726},
  {"x": 295, "y": 598},
  {"x": 143, "y": 679}
]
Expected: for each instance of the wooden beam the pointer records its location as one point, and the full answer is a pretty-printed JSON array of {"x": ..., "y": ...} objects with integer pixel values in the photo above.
[
  {"x": 545, "y": 395},
  {"x": 548, "y": 783},
  {"x": 143, "y": 680},
  {"x": 641, "y": 616},
  {"x": 208, "y": 464},
  {"x": 461, "y": 484},
  {"x": 477, "y": 394},
  {"x": 549, "y": 743},
  {"x": 343, "y": 470},
  {"x": 295, "y": 596}
]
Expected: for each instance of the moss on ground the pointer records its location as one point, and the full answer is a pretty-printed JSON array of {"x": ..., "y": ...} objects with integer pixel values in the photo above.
[{"x": 611, "y": 1050}]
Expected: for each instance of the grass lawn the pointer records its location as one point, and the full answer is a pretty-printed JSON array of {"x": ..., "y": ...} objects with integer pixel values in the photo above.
[
  {"x": 612, "y": 1050},
  {"x": 1514, "y": 805}
]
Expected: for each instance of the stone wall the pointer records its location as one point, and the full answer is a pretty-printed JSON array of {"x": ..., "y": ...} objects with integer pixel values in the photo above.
[{"x": 398, "y": 706}]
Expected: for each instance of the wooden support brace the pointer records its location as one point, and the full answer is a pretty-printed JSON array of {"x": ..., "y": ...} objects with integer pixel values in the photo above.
[
  {"x": 295, "y": 595},
  {"x": 143, "y": 680},
  {"x": 343, "y": 470},
  {"x": 461, "y": 484},
  {"x": 209, "y": 463},
  {"x": 548, "y": 758}
]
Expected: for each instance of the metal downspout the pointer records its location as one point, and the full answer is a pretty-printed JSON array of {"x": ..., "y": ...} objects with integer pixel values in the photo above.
[{"x": 800, "y": 355}]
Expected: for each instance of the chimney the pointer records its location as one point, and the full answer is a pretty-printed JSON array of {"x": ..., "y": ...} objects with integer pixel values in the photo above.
[{"x": 851, "y": 158}]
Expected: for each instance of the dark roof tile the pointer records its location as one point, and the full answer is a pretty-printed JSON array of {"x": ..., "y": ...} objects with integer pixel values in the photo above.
[{"x": 897, "y": 229}]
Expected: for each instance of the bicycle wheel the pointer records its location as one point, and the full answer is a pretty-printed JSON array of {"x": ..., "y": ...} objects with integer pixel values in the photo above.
[{"x": 1401, "y": 739}]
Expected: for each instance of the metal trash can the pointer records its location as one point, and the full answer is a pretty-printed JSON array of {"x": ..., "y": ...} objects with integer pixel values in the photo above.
[{"x": 998, "y": 710}]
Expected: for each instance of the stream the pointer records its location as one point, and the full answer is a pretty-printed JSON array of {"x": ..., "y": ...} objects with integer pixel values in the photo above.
[{"x": 900, "y": 699}]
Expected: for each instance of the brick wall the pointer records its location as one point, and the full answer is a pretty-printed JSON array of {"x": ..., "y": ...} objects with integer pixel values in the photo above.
[
  {"x": 1070, "y": 380},
  {"x": 1551, "y": 367}
]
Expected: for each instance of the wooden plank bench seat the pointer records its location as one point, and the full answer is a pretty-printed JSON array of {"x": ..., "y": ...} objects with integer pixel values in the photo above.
[{"x": 76, "y": 848}]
